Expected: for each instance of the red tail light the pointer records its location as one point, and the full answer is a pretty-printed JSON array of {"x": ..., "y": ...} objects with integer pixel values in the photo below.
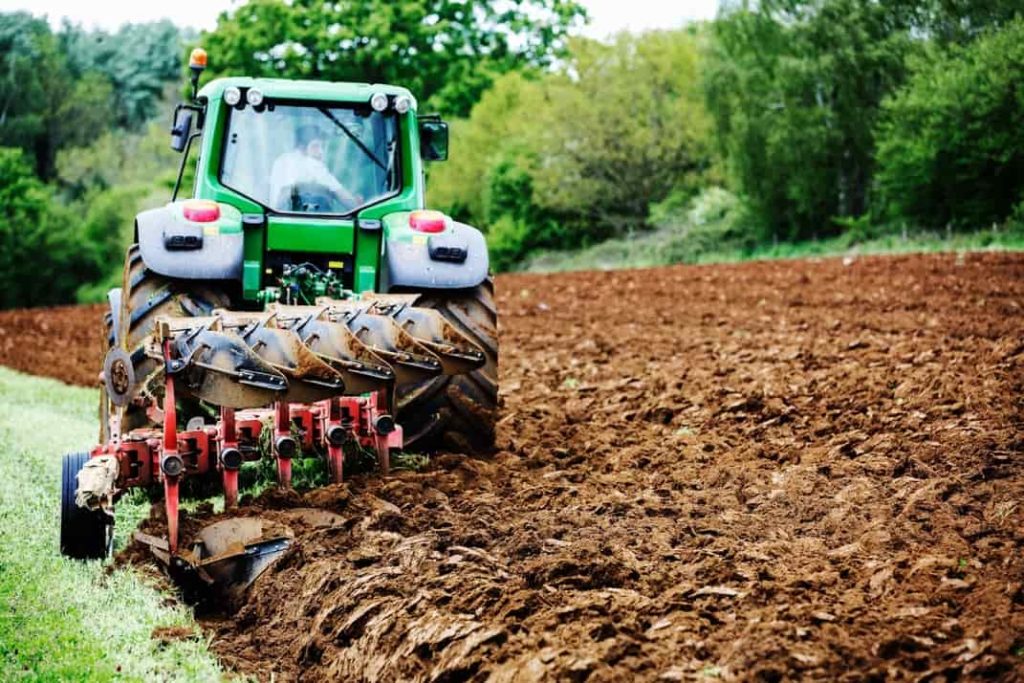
[
  {"x": 427, "y": 221},
  {"x": 201, "y": 211}
]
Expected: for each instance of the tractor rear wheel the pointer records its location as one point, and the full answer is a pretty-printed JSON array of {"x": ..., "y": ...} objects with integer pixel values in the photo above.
[
  {"x": 145, "y": 296},
  {"x": 457, "y": 412},
  {"x": 84, "y": 534}
]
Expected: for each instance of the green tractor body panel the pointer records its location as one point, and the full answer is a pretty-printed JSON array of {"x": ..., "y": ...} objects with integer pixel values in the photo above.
[
  {"x": 353, "y": 247},
  {"x": 310, "y": 235}
]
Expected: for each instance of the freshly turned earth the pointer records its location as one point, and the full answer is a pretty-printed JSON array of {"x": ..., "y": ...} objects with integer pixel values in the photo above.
[
  {"x": 771, "y": 470},
  {"x": 65, "y": 343}
]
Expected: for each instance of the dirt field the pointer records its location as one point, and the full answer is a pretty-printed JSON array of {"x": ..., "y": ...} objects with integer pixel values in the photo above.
[
  {"x": 64, "y": 343},
  {"x": 765, "y": 471}
]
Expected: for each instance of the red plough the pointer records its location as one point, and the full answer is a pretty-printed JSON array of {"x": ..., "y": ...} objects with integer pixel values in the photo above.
[{"x": 149, "y": 456}]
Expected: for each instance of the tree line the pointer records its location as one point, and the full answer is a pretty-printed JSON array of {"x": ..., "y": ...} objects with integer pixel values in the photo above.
[
  {"x": 788, "y": 119},
  {"x": 817, "y": 118},
  {"x": 78, "y": 150}
]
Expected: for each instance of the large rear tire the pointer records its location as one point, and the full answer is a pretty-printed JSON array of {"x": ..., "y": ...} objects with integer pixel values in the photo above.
[
  {"x": 84, "y": 534},
  {"x": 146, "y": 296},
  {"x": 457, "y": 412}
]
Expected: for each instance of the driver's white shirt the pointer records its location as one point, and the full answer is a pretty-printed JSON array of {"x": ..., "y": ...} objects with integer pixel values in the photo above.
[{"x": 293, "y": 168}]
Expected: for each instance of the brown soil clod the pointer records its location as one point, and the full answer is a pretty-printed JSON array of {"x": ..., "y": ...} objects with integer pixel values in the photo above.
[{"x": 779, "y": 470}]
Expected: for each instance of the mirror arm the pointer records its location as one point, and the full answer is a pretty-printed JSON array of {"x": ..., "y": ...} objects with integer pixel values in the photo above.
[{"x": 184, "y": 160}]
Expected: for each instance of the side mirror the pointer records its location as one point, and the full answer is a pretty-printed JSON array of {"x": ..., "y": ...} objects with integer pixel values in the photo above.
[
  {"x": 433, "y": 139},
  {"x": 181, "y": 130}
]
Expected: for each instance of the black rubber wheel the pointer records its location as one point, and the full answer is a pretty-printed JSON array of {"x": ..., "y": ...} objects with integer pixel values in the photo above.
[
  {"x": 84, "y": 534},
  {"x": 457, "y": 412},
  {"x": 145, "y": 296}
]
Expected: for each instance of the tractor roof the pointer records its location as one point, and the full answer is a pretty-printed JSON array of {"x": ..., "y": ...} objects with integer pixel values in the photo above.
[{"x": 322, "y": 91}]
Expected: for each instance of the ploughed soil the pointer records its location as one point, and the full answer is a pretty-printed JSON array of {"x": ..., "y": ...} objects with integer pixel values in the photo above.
[
  {"x": 771, "y": 470},
  {"x": 65, "y": 342}
]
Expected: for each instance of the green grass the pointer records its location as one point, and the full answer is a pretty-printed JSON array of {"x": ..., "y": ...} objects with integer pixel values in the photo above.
[
  {"x": 659, "y": 248},
  {"x": 60, "y": 619}
]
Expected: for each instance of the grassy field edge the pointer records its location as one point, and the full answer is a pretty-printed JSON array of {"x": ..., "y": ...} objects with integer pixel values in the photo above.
[
  {"x": 61, "y": 619},
  {"x": 655, "y": 250}
]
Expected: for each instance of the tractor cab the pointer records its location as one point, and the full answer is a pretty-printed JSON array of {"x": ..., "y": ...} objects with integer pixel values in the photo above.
[
  {"x": 282, "y": 145},
  {"x": 311, "y": 173}
]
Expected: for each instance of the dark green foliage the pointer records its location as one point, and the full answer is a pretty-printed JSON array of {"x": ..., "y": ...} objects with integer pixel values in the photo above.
[
  {"x": 138, "y": 60},
  {"x": 517, "y": 224},
  {"x": 951, "y": 143},
  {"x": 67, "y": 89},
  {"x": 959, "y": 21},
  {"x": 796, "y": 89},
  {"x": 72, "y": 104},
  {"x": 41, "y": 252},
  {"x": 445, "y": 51},
  {"x": 44, "y": 106}
]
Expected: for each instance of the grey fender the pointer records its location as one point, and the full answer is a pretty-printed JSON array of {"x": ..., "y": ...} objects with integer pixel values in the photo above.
[
  {"x": 218, "y": 258},
  {"x": 408, "y": 264}
]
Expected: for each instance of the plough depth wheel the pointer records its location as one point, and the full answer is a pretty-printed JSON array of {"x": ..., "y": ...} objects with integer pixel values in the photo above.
[{"x": 84, "y": 534}]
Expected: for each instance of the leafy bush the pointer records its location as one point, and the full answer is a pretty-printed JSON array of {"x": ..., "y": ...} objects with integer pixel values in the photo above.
[
  {"x": 714, "y": 222},
  {"x": 1015, "y": 222},
  {"x": 951, "y": 143},
  {"x": 45, "y": 257},
  {"x": 577, "y": 156},
  {"x": 106, "y": 231},
  {"x": 505, "y": 242}
]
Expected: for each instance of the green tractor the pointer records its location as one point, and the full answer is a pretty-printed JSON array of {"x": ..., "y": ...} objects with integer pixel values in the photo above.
[{"x": 302, "y": 297}]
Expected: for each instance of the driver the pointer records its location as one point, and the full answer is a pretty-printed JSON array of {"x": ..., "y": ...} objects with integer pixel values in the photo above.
[{"x": 304, "y": 165}]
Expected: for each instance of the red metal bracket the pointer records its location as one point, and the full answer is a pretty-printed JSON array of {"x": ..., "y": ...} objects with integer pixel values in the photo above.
[{"x": 165, "y": 455}]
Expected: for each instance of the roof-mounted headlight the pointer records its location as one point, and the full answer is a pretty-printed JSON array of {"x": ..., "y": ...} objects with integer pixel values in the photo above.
[
  {"x": 403, "y": 103},
  {"x": 254, "y": 97},
  {"x": 232, "y": 95},
  {"x": 378, "y": 101}
]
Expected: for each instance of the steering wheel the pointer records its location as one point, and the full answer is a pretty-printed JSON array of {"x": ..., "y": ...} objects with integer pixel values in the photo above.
[{"x": 312, "y": 198}]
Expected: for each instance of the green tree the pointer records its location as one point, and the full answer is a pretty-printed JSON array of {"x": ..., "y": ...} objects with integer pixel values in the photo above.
[
  {"x": 41, "y": 257},
  {"x": 795, "y": 88},
  {"x": 138, "y": 60},
  {"x": 951, "y": 142},
  {"x": 579, "y": 155},
  {"x": 958, "y": 21},
  {"x": 43, "y": 106},
  {"x": 107, "y": 183},
  {"x": 625, "y": 125},
  {"x": 445, "y": 51},
  {"x": 117, "y": 158},
  {"x": 500, "y": 133}
]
